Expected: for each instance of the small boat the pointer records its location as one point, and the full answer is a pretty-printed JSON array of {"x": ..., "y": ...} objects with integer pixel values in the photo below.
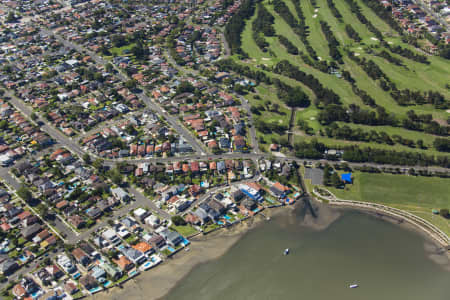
[
  {"x": 353, "y": 286},
  {"x": 286, "y": 251}
]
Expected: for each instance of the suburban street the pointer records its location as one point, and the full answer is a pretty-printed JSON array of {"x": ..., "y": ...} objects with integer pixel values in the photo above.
[
  {"x": 426, "y": 8},
  {"x": 57, "y": 135},
  {"x": 142, "y": 96}
]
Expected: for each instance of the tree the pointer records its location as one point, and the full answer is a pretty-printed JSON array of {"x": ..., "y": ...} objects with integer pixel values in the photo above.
[
  {"x": 115, "y": 176},
  {"x": 98, "y": 164},
  {"x": 87, "y": 158},
  {"x": 34, "y": 116},
  {"x": 109, "y": 67},
  {"x": 178, "y": 221},
  {"x": 24, "y": 193},
  {"x": 335, "y": 180},
  {"x": 444, "y": 212},
  {"x": 3, "y": 124},
  {"x": 131, "y": 84},
  {"x": 11, "y": 17}
]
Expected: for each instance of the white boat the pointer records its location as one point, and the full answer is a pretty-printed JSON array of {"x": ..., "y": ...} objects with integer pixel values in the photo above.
[
  {"x": 353, "y": 286},
  {"x": 286, "y": 251}
]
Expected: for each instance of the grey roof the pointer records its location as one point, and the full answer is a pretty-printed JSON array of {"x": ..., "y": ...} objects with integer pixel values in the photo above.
[
  {"x": 132, "y": 253},
  {"x": 31, "y": 230},
  {"x": 201, "y": 213}
]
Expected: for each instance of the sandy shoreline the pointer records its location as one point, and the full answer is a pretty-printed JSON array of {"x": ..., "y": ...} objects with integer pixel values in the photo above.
[{"x": 157, "y": 282}]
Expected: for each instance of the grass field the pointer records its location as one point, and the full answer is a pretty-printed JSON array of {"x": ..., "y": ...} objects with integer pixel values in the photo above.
[
  {"x": 418, "y": 195},
  {"x": 415, "y": 76}
]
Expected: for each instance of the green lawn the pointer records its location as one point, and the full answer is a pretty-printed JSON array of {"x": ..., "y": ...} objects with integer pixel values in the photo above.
[
  {"x": 418, "y": 195},
  {"x": 119, "y": 51},
  {"x": 184, "y": 230},
  {"x": 316, "y": 37},
  {"x": 404, "y": 133}
]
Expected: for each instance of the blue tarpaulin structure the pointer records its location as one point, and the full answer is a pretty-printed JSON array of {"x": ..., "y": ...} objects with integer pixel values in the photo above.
[{"x": 346, "y": 177}]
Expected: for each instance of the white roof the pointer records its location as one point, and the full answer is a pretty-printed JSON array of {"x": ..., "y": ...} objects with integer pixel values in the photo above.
[{"x": 140, "y": 212}]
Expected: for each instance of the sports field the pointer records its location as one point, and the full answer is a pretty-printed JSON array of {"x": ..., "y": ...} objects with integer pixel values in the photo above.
[{"x": 418, "y": 195}]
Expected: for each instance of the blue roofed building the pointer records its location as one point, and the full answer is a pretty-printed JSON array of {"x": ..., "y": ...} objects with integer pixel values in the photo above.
[{"x": 347, "y": 178}]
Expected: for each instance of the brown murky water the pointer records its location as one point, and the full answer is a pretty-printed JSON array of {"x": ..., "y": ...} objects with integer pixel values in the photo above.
[{"x": 386, "y": 260}]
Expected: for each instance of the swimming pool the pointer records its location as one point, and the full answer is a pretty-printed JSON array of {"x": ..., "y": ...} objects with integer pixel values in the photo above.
[
  {"x": 133, "y": 273},
  {"x": 23, "y": 258},
  {"x": 171, "y": 249},
  {"x": 106, "y": 284},
  {"x": 76, "y": 275},
  {"x": 227, "y": 217},
  {"x": 95, "y": 290}
]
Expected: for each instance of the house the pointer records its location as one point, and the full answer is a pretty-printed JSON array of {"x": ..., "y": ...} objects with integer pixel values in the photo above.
[
  {"x": 98, "y": 273},
  {"x": 134, "y": 255},
  {"x": 70, "y": 287},
  {"x": 112, "y": 272},
  {"x": 124, "y": 263},
  {"x": 120, "y": 194},
  {"x": 140, "y": 213},
  {"x": 221, "y": 166},
  {"x": 249, "y": 204},
  {"x": 89, "y": 282},
  {"x": 172, "y": 237},
  {"x": 81, "y": 257},
  {"x": 157, "y": 241},
  {"x": 66, "y": 263},
  {"x": 19, "y": 291},
  {"x": 8, "y": 266},
  {"x": 111, "y": 236},
  {"x": 94, "y": 212},
  {"x": 201, "y": 214},
  {"x": 192, "y": 219},
  {"x": 77, "y": 221},
  {"x": 279, "y": 190},
  {"x": 54, "y": 271},
  {"x": 216, "y": 206},
  {"x": 194, "y": 190},
  {"x": 152, "y": 221},
  {"x": 144, "y": 247},
  {"x": 30, "y": 231},
  {"x": 43, "y": 276}
]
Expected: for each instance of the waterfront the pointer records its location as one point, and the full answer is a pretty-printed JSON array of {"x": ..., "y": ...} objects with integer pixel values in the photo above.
[{"x": 386, "y": 260}]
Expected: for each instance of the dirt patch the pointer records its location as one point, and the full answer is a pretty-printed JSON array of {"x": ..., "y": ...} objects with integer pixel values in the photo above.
[{"x": 441, "y": 122}]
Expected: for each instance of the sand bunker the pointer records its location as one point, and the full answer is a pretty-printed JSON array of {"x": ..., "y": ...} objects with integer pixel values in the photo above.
[{"x": 314, "y": 16}]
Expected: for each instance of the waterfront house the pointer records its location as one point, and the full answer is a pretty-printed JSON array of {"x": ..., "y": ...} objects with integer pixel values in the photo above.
[
  {"x": 145, "y": 248},
  {"x": 124, "y": 263},
  {"x": 134, "y": 255},
  {"x": 157, "y": 241},
  {"x": 172, "y": 237},
  {"x": 279, "y": 190},
  {"x": 88, "y": 282}
]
